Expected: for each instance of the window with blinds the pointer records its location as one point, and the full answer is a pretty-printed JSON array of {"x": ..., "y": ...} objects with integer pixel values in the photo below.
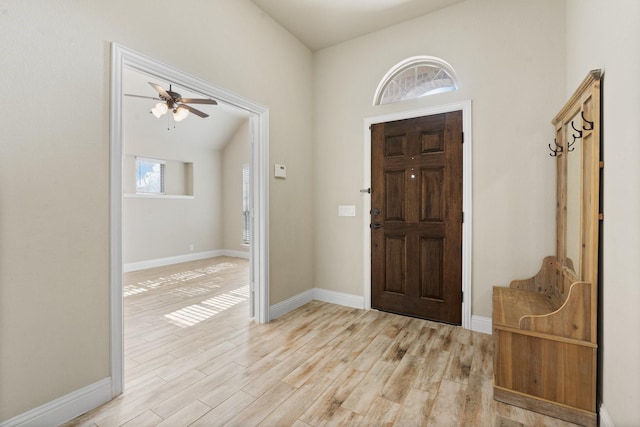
[
  {"x": 246, "y": 225},
  {"x": 150, "y": 176}
]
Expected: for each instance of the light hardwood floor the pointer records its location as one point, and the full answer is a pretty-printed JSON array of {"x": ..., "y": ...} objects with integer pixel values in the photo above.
[{"x": 194, "y": 358}]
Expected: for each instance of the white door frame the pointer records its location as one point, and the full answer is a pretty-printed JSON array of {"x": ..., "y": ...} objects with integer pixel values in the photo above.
[
  {"x": 259, "y": 255},
  {"x": 465, "y": 107}
]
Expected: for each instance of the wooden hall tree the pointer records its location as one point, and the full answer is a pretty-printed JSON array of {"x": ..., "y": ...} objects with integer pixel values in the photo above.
[{"x": 545, "y": 327}]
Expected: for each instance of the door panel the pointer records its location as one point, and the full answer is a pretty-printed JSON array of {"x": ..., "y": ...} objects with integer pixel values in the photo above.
[
  {"x": 396, "y": 249},
  {"x": 417, "y": 238},
  {"x": 432, "y": 197},
  {"x": 431, "y": 256}
]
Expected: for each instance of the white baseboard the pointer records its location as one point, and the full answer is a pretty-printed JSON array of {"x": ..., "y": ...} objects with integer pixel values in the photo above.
[
  {"x": 161, "y": 262},
  {"x": 340, "y": 298},
  {"x": 64, "y": 408},
  {"x": 605, "y": 418},
  {"x": 324, "y": 295},
  {"x": 478, "y": 323},
  {"x": 235, "y": 254},
  {"x": 290, "y": 304},
  {"x": 481, "y": 324}
]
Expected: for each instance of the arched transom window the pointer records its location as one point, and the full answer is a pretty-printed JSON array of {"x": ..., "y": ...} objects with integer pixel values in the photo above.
[{"x": 415, "y": 77}]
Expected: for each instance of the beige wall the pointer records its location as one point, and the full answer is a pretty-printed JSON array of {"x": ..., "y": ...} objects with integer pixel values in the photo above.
[
  {"x": 234, "y": 156},
  {"x": 606, "y": 34},
  {"x": 54, "y": 167},
  {"x": 154, "y": 228},
  {"x": 509, "y": 57}
]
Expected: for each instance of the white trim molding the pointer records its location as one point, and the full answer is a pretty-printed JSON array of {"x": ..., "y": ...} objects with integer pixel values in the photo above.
[
  {"x": 481, "y": 324},
  {"x": 122, "y": 57},
  {"x": 478, "y": 323},
  {"x": 324, "y": 295},
  {"x": 161, "y": 262},
  {"x": 65, "y": 408},
  {"x": 297, "y": 301},
  {"x": 605, "y": 418},
  {"x": 340, "y": 298},
  {"x": 467, "y": 173}
]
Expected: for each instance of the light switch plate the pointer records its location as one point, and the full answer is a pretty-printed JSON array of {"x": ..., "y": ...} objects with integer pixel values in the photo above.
[
  {"x": 346, "y": 210},
  {"x": 280, "y": 171}
]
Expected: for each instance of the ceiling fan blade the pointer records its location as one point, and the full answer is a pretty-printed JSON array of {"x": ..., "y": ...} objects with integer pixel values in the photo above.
[
  {"x": 163, "y": 93},
  {"x": 142, "y": 96},
  {"x": 197, "y": 101},
  {"x": 193, "y": 110}
]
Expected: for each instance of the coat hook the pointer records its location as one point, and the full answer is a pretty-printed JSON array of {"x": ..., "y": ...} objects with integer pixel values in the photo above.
[
  {"x": 555, "y": 152},
  {"x": 586, "y": 121},
  {"x": 578, "y": 135},
  {"x": 570, "y": 146}
]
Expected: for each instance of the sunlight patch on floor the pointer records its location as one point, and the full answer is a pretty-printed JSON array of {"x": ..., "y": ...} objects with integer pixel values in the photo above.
[
  {"x": 196, "y": 313},
  {"x": 128, "y": 290},
  {"x": 181, "y": 277}
]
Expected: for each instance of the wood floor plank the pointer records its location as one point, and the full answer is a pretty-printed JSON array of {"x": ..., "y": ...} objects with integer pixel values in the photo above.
[
  {"x": 182, "y": 399},
  {"x": 430, "y": 373},
  {"x": 325, "y": 410},
  {"x": 415, "y": 409},
  {"x": 147, "y": 418},
  {"x": 319, "y": 365},
  {"x": 186, "y": 416},
  {"x": 253, "y": 414},
  {"x": 129, "y": 410},
  {"x": 382, "y": 413},
  {"x": 396, "y": 388},
  {"x": 225, "y": 411},
  {"x": 372, "y": 353},
  {"x": 300, "y": 400},
  {"x": 276, "y": 374},
  {"x": 400, "y": 345},
  {"x": 459, "y": 366},
  {"x": 448, "y": 406},
  {"x": 423, "y": 343},
  {"x": 479, "y": 404},
  {"x": 234, "y": 384},
  {"x": 370, "y": 388}
]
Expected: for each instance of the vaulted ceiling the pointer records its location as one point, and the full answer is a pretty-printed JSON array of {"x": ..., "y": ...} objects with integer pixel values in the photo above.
[
  {"x": 323, "y": 23},
  {"x": 316, "y": 23}
]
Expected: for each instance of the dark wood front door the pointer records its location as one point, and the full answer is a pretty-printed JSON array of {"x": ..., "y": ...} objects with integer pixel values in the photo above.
[{"x": 416, "y": 217}]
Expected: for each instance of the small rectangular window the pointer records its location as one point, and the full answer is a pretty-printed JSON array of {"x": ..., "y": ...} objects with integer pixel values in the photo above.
[
  {"x": 150, "y": 175},
  {"x": 246, "y": 225}
]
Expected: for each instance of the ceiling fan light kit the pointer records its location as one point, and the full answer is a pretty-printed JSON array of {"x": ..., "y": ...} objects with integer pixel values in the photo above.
[
  {"x": 171, "y": 100},
  {"x": 159, "y": 110},
  {"x": 180, "y": 114}
]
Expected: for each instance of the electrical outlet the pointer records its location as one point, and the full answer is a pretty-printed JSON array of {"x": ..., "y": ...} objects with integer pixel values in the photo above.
[{"x": 191, "y": 247}]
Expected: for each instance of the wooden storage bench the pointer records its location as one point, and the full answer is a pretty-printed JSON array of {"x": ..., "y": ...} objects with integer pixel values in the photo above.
[
  {"x": 545, "y": 360},
  {"x": 545, "y": 327}
]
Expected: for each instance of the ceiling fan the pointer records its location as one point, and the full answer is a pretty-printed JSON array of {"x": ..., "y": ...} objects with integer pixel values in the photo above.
[{"x": 171, "y": 100}]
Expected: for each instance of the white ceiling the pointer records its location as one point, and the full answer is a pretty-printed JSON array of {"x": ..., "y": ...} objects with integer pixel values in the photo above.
[
  {"x": 323, "y": 23},
  {"x": 212, "y": 132}
]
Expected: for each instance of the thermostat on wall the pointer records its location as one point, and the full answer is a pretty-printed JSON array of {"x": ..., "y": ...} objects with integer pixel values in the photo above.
[{"x": 280, "y": 171}]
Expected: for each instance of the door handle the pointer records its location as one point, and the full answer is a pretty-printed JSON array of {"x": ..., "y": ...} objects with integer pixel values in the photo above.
[{"x": 376, "y": 225}]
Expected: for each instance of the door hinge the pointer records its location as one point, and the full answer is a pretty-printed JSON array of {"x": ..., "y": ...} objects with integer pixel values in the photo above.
[
  {"x": 463, "y": 137},
  {"x": 463, "y": 217},
  {"x": 462, "y": 296}
]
